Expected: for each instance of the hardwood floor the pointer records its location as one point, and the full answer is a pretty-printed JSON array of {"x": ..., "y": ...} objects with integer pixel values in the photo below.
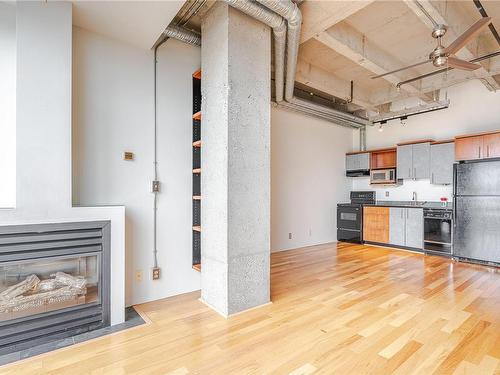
[{"x": 346, "y": 309}]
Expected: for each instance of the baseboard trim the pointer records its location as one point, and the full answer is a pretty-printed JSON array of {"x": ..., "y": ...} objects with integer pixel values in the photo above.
[{"x": 226, "y": 316}]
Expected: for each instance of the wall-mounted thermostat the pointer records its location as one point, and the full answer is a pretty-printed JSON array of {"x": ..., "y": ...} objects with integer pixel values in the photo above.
[{"x": 127, "y": 155}]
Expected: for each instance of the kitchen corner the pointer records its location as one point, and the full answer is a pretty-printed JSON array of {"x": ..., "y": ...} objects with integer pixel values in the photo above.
[{"x": 439, "y": 198}]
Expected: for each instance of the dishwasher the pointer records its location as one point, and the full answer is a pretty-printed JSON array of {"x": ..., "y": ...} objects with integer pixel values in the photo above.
[{"x": 438, "y": 227}]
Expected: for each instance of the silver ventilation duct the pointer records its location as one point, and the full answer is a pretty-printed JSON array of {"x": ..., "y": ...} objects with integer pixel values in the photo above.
[
  {"x": 292, "y": 14},
  {"x": 277, "y": 23},
  {"x": 330, "y": 114},
  {"x": 182, "y": 34}
]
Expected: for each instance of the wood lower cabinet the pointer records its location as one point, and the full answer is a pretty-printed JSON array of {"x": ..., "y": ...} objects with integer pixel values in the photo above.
[{"x": 376, "y": 224}]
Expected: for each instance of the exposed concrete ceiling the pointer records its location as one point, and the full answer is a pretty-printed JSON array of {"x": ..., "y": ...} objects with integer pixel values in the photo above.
[
  {"x": 137, "y": 22},
  {"x": 354, "y": 40}
]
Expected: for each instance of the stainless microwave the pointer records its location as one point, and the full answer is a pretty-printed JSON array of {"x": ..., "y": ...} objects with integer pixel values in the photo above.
[{"x": 383, "y": 176}]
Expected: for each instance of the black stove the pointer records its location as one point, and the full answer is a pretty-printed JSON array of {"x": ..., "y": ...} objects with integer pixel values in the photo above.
[{"x": 350, "y": 216}]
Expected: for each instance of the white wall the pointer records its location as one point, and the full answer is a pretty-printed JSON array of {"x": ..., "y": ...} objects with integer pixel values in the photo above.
[
  {"x": 472, "y": 109},
  {"x": 7, "y": 105},
  {"x": 43, "y": 112},
  {"x": 307, "y": 178},
  {"x": 113, "y": 113}
]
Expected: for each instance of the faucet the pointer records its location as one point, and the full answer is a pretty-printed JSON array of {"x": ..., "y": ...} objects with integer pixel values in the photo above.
[{"x": 414, "y": 198}]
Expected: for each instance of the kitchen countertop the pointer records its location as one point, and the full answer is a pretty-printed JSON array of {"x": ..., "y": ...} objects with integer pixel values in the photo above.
[{"x": 412, "y": 204}]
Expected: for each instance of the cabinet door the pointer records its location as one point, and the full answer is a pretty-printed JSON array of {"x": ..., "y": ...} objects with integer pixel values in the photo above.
[
  {"x": 415, "y": 227},
  {"x": 492, "y": 145},
  {"x": 469, "y": 148},
  {"x": 421, "y": 160},
  {"x": 397, "y": 226},
  {"x": 404, "y": 162},
  {"x": 364, "y": 161},
  {"x": 442, "y": 158},
  {"x": 351, "y": 162},
  {"x": 376, "y": 224}
]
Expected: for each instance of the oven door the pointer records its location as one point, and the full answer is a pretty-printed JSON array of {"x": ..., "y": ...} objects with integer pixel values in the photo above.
[
  {"x": 437, "y": 234},
  {"x": 349, "y": 217}
]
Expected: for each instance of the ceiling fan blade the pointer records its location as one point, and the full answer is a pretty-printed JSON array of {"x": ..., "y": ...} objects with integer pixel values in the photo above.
[
  {"x": 400, "y": 69},
  {"x": 453, "y": 62},
  {"x": 467, "y": 36}
]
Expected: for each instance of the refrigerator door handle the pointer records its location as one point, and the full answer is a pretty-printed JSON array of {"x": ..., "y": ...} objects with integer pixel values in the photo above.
[{"x": 454, "y": 195}]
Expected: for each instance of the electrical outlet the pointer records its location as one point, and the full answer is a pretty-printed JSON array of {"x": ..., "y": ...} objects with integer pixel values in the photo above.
[
  {"x": 138, "y": 276},
  {"x": 156, "y": 273},
  {"x": 386, "y": 193},
  {"x": 290, "y": 235}
]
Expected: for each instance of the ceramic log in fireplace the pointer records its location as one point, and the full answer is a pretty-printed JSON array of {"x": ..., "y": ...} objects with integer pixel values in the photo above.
[{"x": 54, "y": 281}]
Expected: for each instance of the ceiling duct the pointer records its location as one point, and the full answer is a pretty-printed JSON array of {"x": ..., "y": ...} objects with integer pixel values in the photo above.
[
  {"x": 182, "y": 34},
  {"x": 292, "y": 14}
]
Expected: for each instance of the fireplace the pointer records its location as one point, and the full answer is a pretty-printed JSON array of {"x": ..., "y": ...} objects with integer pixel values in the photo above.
[{"x": 54, "y": 282}]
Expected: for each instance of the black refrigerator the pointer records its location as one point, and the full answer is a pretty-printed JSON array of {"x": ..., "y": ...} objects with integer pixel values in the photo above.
[{"x": 476, "y": 199}]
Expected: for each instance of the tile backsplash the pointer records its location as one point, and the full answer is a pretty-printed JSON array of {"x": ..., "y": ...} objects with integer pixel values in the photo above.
[{"x": 424, "y": 189}]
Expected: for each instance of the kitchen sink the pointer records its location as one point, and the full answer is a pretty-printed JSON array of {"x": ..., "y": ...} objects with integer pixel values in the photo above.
[{"x": 417, "y": 204}]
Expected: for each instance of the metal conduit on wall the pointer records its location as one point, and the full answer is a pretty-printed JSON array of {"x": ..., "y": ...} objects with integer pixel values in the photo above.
[{"x": 186, "y": 36}]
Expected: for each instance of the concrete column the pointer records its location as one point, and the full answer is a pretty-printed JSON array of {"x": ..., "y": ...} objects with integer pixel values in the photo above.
[{"x": 235, "y": 182}]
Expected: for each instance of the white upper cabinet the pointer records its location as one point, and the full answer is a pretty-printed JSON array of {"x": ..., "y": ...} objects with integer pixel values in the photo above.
[
  {"x": 442, "y": 159},
  {"x": 413, "y": 161}
]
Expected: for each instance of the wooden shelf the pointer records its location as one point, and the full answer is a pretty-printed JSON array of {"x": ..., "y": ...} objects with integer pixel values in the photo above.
[
  {"x": 197, "y": 228},
  {"x": 197, "y": 74},
  {"x": 382, "y": 159},
  {"x": 197, "y": 170},
  {"x": 197, "y": 144},
  {"x": 197, "y": 116},
  {"x": 197, "y": 197},
  {"x": 197, "y": 267}
]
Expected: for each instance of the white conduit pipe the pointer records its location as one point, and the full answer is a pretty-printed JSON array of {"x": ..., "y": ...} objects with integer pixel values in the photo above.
[{"x": 277, "y": 23}]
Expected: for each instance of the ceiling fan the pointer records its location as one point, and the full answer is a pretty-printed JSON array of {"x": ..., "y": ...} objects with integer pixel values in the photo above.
[{"x": 443, "y": 56}]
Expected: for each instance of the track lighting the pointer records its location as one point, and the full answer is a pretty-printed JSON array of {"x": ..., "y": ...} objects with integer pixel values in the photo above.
[{"x": 380, "y": 128}]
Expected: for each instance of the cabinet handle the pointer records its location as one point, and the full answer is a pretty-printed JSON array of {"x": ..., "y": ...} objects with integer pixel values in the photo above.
[
  {"x": 488, "y": 151},
  {"x": 414, "y": 173},
  {"x": 432, "y": 177},
  {"x": 409, "y": 172},
  {"x": 479, "y": 153},
  {"x": 407, "y": 213},
  {"x": 402, "y": 214}
]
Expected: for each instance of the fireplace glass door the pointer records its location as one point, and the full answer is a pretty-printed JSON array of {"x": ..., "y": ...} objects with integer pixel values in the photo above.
[{"x": 38, "y": 286}]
